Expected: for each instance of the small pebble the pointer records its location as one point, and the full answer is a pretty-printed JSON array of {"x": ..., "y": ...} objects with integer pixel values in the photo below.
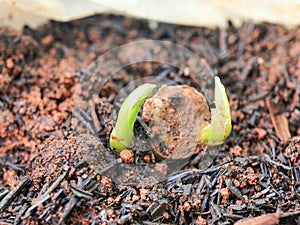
[
  {"x": 127, "y": 156},
  {"x": 224, "y": 192},
  {"x": 9, "y": 63},
  {"x": 261, "y": 133},
  {"x": 201, "y": 221}
]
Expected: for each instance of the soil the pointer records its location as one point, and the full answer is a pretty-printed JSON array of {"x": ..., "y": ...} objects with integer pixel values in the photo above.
[{"x": 46, "y": 177}]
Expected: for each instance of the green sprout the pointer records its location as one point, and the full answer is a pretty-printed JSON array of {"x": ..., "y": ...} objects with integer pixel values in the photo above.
[
  {"x": 122, "y": 135},
  {"x": 220, "y": 127},
  {"x": 213, "y": 134}
]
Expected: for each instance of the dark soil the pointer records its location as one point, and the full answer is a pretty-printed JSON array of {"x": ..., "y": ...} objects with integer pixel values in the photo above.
[{"x": 45, "y": 177}]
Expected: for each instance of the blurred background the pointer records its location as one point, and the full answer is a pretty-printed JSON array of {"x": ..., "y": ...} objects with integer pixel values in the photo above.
[{"x": 16, "y": 13}]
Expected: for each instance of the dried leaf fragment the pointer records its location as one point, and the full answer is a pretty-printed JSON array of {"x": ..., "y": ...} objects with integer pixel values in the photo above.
[
  {"x": 279, "y": 122},
  {"x": 268, "y": 219}
]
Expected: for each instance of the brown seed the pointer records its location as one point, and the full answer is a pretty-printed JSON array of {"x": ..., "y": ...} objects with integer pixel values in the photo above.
[
  {"x": 127, "y": 156},
  {"x": 171, "y": 113}
]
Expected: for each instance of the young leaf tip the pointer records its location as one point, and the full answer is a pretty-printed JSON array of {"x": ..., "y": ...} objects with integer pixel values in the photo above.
[
  {"x": 220, "y": 127},
  {"x": 122, "y": 135}
]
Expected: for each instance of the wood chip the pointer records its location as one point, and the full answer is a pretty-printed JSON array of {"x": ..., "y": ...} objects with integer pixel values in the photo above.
[
  {"x": 269, "y": 219},
  {"x": 279, "y": 122}
]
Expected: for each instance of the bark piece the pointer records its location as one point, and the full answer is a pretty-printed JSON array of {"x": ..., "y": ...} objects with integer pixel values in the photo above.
[
  {"x": 279, "y": 121},
  {"x": 269, "y": 219}
]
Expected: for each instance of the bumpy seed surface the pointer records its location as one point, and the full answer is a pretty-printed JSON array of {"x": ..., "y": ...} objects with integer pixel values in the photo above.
[{"x": 176, "y": 114}]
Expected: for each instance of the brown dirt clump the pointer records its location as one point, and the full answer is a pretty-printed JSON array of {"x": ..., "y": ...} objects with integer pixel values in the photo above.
[{"x": 64, "y": 154}]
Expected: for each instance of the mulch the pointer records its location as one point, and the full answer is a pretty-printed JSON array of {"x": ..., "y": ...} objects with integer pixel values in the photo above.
[{"x": 45, "y": 177}]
